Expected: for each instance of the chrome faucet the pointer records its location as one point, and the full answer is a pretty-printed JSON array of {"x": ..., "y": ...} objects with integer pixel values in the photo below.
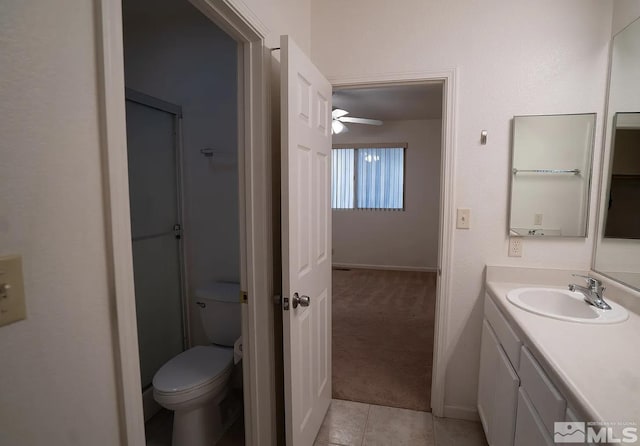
[{"x": 592, "y": 292}]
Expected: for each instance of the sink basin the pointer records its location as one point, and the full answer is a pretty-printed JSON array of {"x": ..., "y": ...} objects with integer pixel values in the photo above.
[{"x": 565, "y": 305}]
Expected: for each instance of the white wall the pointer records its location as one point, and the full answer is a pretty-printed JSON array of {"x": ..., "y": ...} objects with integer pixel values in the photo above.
[
  {"x": 58, "y": 367},
  {"x": 406, "y": 238},
  {"x": 292, "y": 17},
  {"x": 181, "y": 57},
  {"x": 511, "y": 58},
  {"x": 624, "y": 12}
]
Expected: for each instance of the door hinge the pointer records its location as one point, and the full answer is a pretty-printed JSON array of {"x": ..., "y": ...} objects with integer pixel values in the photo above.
[
  {"x": 244, "y": 297},
  {"x": 177, "y": 231}
]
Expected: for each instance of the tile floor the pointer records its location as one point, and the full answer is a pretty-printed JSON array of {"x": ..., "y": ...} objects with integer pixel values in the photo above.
[{"x": 357, "y": 424}]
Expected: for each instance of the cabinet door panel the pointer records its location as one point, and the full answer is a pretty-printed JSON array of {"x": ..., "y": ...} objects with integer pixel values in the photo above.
[
  {"x": 486, "y": 378},
  {"x": 505, "y": 402},
  {"x": 497, "y": 390},
  {"x": 543, "y": 395},
  {"x": 507, "y": 338},
  {"x": 530, "y": 431}
]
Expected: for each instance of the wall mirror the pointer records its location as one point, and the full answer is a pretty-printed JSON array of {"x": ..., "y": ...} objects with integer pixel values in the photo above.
[
  {"x": 618, "y": 237},
  {"x": 550, "y": 175}
]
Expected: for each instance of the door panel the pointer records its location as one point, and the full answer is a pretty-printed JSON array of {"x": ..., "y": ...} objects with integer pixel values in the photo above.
[{"x": 306, "y": 236}]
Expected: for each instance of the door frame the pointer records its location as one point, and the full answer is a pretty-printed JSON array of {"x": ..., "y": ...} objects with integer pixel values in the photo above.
[
  {"x": 255, "y": 216},
  {"x": 447, "y": 202}
]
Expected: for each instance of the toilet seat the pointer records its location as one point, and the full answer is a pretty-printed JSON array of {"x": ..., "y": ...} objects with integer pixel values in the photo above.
[{"x": 199, "y": 368}]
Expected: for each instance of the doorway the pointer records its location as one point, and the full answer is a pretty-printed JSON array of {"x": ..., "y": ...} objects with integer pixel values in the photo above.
[
  {"x": 255, "y": 156},
  {"x": 182, "y": 113},
  {"x": 386, "y": 234}
]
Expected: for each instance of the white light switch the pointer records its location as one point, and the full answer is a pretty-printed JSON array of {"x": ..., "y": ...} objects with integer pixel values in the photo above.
[
  {"x": 12, "y": 305},
  {"x": 462, "y": 220}
]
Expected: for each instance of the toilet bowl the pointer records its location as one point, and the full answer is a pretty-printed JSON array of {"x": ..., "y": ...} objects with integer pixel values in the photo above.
[{"x": 194, "y": 383}]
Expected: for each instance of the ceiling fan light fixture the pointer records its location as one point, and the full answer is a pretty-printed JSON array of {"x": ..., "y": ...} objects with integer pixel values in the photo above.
[{"x": 337, "y": 127}]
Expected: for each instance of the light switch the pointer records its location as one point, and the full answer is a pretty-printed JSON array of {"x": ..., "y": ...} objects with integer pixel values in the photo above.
[
  {"x": 12, "y": 305},
  {"x": 462, "y": 220}
]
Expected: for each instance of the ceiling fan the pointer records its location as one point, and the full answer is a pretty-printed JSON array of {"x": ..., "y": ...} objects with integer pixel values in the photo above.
[{"x": 339, "y": 117}]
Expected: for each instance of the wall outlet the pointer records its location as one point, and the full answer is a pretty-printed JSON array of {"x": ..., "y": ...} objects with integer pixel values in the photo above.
[
  {"x": 537, "y": 219},
  {"x": 515, "y": 246}
]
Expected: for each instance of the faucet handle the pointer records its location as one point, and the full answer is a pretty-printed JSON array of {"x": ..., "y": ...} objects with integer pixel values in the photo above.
[{"x": 593, "y": 283}]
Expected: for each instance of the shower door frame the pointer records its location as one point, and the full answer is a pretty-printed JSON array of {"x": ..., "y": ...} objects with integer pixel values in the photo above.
[{"x": 176, "y": 111}]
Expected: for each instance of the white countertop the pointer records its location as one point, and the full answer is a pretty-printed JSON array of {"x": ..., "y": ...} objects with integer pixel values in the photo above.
[{"x": 595, "y": 366}]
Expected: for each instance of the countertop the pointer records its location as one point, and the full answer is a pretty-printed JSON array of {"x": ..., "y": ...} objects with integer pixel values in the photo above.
[{"x": 595, "y": 366}]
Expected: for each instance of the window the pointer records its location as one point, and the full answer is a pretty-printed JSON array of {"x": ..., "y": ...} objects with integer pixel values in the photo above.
[{"x": 368, "y": 177}]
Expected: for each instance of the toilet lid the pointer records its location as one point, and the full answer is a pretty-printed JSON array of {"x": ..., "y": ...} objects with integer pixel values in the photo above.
[{"x": 192, "y": 368}]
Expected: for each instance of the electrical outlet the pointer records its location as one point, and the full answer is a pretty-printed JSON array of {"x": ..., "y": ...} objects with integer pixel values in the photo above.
[
  {"x": 515, "y": 246},
  {"x": 537, "y": 219}
]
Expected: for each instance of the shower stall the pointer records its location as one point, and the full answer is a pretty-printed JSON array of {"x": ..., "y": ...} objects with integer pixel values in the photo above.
[{"x": 153, "y": 142}]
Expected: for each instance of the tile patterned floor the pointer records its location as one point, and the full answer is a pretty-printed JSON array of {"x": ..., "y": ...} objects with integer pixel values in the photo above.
[{"x": 356, "y": 424}]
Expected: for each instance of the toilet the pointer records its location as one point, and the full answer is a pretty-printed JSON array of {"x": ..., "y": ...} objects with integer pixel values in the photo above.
[{"x": 194, "y": 383}]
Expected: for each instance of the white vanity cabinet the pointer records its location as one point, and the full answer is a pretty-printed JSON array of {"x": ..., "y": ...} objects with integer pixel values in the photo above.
[
  {"x": 517, "y": 402},
  {"x": 498, "y": 380}
]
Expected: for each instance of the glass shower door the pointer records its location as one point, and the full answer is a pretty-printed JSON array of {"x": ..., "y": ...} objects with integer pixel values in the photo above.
[{"x": 155, "y": 231}]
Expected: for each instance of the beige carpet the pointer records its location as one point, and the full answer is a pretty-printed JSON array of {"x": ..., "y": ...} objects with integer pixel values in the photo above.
[{"x": 383, "y": 337}]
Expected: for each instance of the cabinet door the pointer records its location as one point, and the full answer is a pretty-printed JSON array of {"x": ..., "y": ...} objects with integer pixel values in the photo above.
[
  {"x": 505, "y": 402},
  {"x": 497, "y": 391},
  {"x": 486, "y": 378},
  {"x": 530, "y": 430}
]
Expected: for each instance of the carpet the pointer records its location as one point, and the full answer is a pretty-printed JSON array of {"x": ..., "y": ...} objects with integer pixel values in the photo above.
[{"x": 383, "y": 324}]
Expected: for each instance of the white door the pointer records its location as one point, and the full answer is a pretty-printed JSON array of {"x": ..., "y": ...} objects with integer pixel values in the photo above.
[{"x": 306, "y": 243}]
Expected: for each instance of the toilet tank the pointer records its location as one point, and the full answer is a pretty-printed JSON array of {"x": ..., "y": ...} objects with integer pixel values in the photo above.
[{"x": 219, "y": 307}]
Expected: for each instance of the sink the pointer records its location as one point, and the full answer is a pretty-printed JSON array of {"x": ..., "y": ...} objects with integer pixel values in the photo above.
[{"x": 565, "y": 305}]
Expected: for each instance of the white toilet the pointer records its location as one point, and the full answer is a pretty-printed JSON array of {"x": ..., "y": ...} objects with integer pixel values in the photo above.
[{"x": 194, "y": 383}]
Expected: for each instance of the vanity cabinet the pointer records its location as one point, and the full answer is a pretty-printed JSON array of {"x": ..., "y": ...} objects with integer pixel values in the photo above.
[
  {"x": 498, "y": 380},
  {"x": 497, "y": 391},
  {"x": 517, "y": 402}
]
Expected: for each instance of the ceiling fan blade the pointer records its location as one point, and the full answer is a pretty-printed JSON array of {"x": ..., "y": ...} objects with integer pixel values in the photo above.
[
  {"x": 338, "y": 112},
  {"x": 337, "y": 127},
  {"x": 360, "y": 120}
]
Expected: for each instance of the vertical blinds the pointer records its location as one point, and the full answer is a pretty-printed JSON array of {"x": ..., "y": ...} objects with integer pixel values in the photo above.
[
  {"x": 368, "y": 178},
  {"x": 342, "y": 178}
]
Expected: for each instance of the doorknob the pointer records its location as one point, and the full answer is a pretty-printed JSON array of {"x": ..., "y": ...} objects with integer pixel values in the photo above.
[{"x": 303, "y": 301}]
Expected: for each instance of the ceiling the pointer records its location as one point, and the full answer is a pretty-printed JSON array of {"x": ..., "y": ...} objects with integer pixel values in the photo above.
[{"x": 392, "y": 103}]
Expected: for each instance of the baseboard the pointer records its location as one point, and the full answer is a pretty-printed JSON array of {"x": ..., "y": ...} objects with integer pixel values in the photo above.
[
  {"x": 149, "y": 405},
  {"x": 385, "y": 267},
  {"x": 461, "y": 413}
]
